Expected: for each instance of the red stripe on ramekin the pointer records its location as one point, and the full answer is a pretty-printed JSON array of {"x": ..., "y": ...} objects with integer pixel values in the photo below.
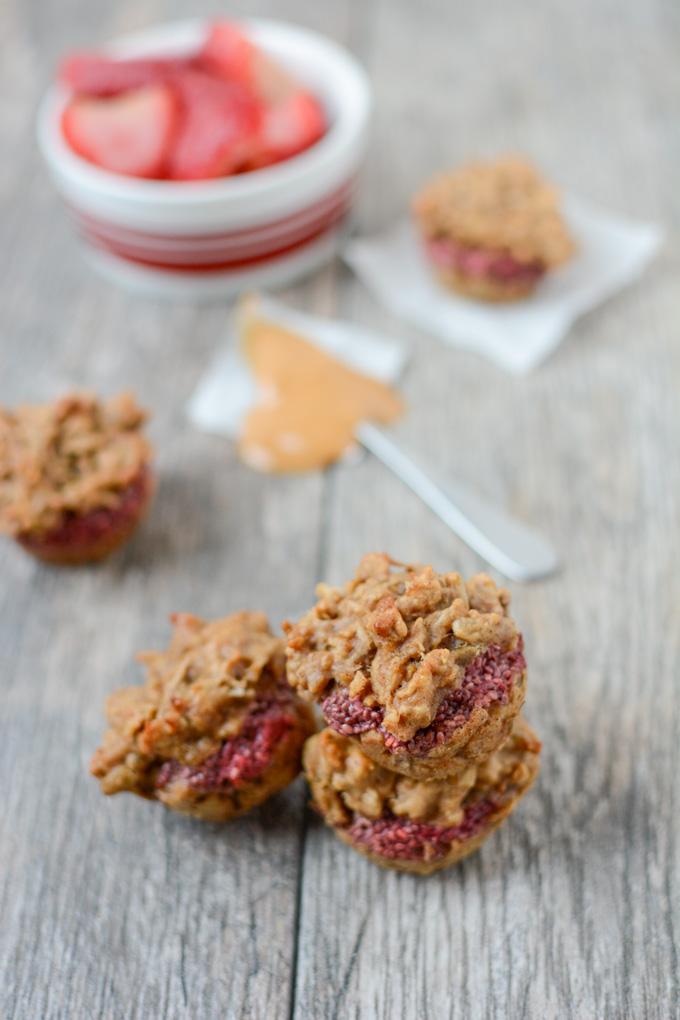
[
  {"x": 214, "y": 251},
  {"x": 229, "y": 264},
  {"x": 188, "y": 256},
  {"x": 217, "y": 247}
]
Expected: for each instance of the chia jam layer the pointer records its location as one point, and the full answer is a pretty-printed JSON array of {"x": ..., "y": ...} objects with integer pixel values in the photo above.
[
  {"x": 94, "y": 532},
  {"x": 488, "y": 680},
  {"x": 243, "y": 758},
  {"x": 480, "y": 263},
  {"x": 408, "y": 840}
]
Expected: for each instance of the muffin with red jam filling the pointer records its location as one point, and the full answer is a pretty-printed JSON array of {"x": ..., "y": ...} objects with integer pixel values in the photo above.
[
  {"x": 215, "y": 730},
  {"x": 417, "y": 825},
  {"x": 492, "y": 230},
  {"x": 75, "y": 476},
  {"x": 424, "y": 670}
]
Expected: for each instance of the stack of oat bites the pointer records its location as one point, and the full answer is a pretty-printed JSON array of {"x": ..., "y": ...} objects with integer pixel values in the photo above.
[{"x": 420, "y": 678}]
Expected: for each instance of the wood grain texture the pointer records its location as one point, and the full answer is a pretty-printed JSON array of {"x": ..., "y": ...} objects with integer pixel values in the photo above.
[{"x": 117, "y": 909}]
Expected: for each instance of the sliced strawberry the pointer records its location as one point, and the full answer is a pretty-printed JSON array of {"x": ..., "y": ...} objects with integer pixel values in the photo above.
[
  {"x": 289, "y": 127},
  {"x": 219, "y": 123},
  {"x": 228, "y": 53},
  {"x": 89, "y": 74},
  {"x": 129, "y": 134}
]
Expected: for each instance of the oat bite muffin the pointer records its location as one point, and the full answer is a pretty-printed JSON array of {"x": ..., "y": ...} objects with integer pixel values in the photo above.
[
  {"x": 492, "y": 230},
  {"x": 215, "y": 730},
  {"x": 75, "y": 476},
  {"x": 426, "y": 671},
  {"x": 417, "y": 825}
]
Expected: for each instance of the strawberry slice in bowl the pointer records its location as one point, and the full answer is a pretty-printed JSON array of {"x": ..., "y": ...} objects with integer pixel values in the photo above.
[
  {"x": 289, "y": 127},
  {"x": 230, "y": 54},
  {"x": 129, "y": 134},
  {"x": 218, "y": 127},
  {"x": 93, "y": 74}
]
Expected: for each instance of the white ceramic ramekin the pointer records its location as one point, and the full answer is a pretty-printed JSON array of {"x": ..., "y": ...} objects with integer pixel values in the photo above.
[{"x": 212, "y": 238}]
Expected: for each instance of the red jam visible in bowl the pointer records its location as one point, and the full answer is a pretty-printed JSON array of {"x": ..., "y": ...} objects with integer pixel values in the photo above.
[{"x": 226, "y": 109}]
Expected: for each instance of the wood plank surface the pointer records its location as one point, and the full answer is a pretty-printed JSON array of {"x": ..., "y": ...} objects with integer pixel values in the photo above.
[{"x": 118, "y": 909}]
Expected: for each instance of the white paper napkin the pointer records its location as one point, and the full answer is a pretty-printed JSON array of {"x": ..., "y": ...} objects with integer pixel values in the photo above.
[
  {"x": 612, "y": 253},
  {"x": 226, "y": 391}
]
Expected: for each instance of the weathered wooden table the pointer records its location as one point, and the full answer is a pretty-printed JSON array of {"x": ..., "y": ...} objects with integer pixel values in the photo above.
[{"x": 117, "y": 909}]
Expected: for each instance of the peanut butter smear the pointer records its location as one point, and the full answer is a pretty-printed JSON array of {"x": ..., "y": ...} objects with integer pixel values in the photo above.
[{"x": 308, "y": 404}]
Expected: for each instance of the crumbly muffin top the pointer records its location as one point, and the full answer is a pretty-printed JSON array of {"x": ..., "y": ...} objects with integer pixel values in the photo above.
[
  {"x": 502, "y": 205},
  {"x": 74, "y": 455},
  {"x": 399, "y": 637},
  {"x": 196, "y": 695},
  {"x": 347, "y": 783}
]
